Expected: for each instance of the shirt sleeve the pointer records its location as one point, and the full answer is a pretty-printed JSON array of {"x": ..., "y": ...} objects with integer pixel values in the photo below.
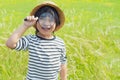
[
  {"x": 23, "y": 43},
  {"x": 63, "y": 57}
]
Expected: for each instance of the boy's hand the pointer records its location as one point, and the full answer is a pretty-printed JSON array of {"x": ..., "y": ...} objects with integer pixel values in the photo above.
[
  {"x": 14, "y": 38},
  {"x": 30, "y": 21}
]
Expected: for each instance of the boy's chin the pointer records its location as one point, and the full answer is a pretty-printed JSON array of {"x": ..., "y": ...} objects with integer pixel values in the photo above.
[{"x": 46, "y": 32}]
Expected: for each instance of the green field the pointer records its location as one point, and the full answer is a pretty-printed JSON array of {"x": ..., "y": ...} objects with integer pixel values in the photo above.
[{"x": 91, "y": 34}]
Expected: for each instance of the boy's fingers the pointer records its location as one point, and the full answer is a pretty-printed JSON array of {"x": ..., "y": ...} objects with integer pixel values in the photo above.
[
  {"x": 31, "y": 18},
  {"x": 36, "y": 18},
  {"x": 28, "y": 18}
]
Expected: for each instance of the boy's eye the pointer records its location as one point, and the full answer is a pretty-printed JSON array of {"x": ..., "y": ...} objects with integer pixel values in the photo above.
[
  {"x": 41, "y": 18},
  {"x": 43, "y": 15},
  {"x": 50, "y": 19},
  {"x": 47, "y": 19},
  {"x": 46, "y": 15}
]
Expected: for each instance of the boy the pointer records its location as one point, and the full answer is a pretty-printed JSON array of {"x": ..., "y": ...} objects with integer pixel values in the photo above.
[{"x": 47, "y": 55}]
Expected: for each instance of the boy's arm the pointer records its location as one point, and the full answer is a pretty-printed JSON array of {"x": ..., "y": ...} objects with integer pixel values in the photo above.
[
  {"x": 63, "y": 72},
  {"x": 14, "y": 38}
]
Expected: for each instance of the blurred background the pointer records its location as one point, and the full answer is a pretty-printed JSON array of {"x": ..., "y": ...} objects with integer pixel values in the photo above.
[{"x": 91, "y": 34}]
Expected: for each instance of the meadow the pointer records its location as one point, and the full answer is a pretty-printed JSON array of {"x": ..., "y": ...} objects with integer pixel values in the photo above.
[{"x": 91, "y": 34}]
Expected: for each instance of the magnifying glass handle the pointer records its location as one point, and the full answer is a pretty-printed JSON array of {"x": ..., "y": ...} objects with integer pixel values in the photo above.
[{"x": 25, "y": 19}]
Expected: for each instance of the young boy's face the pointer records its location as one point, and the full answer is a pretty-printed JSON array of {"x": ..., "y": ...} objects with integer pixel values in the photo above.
[{"x": 46, "y": 23}]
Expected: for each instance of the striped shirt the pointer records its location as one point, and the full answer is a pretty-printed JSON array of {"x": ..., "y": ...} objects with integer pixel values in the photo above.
[{"x": 45, "y": 56}]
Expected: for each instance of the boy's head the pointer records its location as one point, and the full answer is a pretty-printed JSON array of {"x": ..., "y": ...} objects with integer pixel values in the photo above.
[{"x": 49, "y": 11}]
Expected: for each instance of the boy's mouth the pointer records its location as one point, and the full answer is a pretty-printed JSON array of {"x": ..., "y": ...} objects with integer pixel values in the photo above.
[{"x": 45, "y": 28}]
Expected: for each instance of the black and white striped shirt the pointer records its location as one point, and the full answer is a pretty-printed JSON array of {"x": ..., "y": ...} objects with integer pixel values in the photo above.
[{"x": 45, "y": 56}]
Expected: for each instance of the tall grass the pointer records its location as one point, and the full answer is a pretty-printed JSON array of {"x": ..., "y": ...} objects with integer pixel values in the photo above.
[{"x": 91, "y": 33}]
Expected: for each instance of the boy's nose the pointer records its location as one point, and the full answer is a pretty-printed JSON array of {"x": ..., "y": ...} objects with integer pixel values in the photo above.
[{"x": 46, "y": 25}]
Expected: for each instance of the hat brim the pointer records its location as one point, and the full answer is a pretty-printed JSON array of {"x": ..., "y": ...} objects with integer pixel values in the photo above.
[{"x": 60, "y": 12}]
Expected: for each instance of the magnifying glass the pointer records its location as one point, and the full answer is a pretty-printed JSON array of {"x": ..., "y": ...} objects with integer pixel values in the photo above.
[{"x": 46, "y": 20}]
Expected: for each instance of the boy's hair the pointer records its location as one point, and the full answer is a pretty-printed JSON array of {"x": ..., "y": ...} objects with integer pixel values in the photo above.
[{"x": 50, "y": 10}]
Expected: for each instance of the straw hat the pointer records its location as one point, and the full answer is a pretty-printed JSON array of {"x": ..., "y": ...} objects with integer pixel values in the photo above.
[{"x": 52, "y": 4}]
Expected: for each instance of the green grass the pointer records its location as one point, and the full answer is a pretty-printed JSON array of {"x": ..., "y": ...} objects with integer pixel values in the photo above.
[{"x": 91, "y": 33}]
